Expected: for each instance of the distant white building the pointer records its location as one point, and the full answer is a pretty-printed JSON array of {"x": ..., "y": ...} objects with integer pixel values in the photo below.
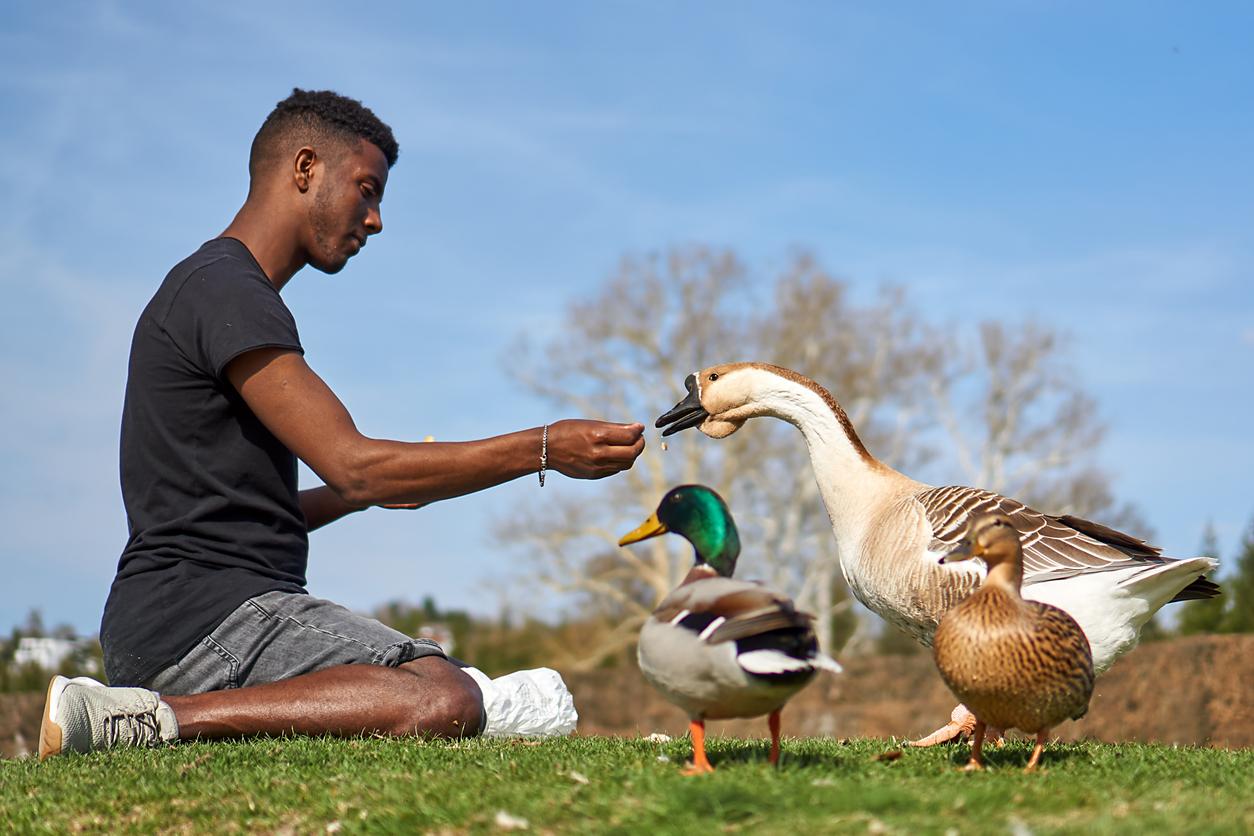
[
  {"x": 46, "y": 652},
  {"x": 439, "y": 633}
]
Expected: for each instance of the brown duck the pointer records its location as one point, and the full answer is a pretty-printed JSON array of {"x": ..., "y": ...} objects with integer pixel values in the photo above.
[{"x": 1014, "y": 663}]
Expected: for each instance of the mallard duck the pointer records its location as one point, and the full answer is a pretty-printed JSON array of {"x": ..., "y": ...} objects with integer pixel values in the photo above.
[
  {"x": 1015, "y": 664},
  {"x": 718, "y": 647},
  {"x": 891, "y": 530}
]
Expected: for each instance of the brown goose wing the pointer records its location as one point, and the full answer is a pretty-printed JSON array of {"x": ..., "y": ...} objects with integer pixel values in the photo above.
[
  {"x": 1199, "y": 590},
  {"x": 1053, "y": 547}
]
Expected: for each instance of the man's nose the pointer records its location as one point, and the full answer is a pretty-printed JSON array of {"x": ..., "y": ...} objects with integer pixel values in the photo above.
[{"x": 374, "y": 222}]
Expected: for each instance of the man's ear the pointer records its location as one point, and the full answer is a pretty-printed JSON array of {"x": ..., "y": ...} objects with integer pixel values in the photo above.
[{"x": 303, "y": 168}]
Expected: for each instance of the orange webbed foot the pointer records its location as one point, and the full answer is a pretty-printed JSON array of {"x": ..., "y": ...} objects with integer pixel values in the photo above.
[
  {"x": 976, "y": 764},
  {"x": 961, "y": 724},
  {"x": 1033, "y": 761},
  {"x": 773, "y": 724},
  {"x": 700, "y": 764}
]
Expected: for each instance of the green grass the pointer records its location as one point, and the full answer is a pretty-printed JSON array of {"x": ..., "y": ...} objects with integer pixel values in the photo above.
[{"x": 610, "y": 785}]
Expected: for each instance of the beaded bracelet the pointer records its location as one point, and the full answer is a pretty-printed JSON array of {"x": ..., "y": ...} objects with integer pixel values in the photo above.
[{"x": 544, "y": 453}]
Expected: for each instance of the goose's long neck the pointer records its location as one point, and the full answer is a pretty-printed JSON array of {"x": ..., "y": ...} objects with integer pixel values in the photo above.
[{"x": 851, "y": 480}]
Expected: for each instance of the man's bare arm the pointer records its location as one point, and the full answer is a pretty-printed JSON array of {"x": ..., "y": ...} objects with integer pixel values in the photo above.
[
  {"x": 322, "y": 506},
  {"x": 303, "y": 413}
]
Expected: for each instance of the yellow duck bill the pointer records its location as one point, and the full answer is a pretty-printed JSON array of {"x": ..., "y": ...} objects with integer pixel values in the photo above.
[{"x": 651, "y": 527}]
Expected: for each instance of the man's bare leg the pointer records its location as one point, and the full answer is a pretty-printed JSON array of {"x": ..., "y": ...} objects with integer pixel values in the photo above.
[{"x": 426, "y": 696}]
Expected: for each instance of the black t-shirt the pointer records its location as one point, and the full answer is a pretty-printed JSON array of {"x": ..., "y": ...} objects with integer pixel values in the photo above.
[{"x": 210, "y": 494}]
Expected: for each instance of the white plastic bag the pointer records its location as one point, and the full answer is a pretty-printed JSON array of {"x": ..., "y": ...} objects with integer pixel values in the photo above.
[{"x": 531, "y": 703}]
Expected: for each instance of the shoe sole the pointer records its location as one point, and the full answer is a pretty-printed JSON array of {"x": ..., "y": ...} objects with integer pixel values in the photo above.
[
  {"x": 49, "y": 731},
  {"x": 51, "y": 735}
]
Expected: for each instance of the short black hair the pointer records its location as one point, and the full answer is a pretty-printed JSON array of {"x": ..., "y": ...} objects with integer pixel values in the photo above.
[{"x": 308, "y": 115}]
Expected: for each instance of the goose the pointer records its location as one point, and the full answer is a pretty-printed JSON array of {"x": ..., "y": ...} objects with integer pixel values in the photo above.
[
  {"x": 891, "y": 530},
  {"x": 719, "y": 647},
  {"x": 1014, "y": 663}
]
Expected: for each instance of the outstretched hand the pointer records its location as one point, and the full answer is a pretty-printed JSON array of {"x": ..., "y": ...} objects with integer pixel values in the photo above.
[{"x": 584, "y": 449}]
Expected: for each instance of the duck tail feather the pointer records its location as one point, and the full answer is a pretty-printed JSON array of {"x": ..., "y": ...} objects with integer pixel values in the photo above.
[
  {"x": 824, "y": 662},
  {"x": 768, "y": 662}
]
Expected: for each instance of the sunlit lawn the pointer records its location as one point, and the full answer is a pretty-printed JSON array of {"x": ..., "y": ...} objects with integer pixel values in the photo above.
[{"x": 628, "y": 785}]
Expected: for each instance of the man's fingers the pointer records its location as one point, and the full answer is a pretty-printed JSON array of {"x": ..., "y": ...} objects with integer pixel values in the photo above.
[
  {"x": 622, "y": 457},
  {"x": 622, "y": 434},
  {"x": 594, "y": 449},
  {"x": 624, "y": 448}
]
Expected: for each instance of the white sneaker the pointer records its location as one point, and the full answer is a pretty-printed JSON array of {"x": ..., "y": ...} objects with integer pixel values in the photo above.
[{"x": 83, "y": 715}]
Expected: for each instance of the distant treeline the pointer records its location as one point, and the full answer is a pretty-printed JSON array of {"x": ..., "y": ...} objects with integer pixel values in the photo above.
[{"x": 509, "y": 643}]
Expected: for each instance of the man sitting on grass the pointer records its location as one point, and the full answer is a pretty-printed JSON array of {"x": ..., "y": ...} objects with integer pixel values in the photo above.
[{"x": 208, "y": 621}]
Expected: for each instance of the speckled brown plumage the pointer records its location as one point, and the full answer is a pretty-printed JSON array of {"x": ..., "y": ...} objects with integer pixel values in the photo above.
[{"x": 1015, "y": 663}]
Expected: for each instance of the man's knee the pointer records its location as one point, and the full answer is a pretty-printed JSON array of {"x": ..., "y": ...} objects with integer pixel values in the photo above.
[
  {"x": 448, "y": 703},
  {"x": 461, "y": 706}
]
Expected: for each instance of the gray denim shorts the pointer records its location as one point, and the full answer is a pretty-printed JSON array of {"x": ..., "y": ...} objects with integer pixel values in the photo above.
[{"x": 279, "y": 635}]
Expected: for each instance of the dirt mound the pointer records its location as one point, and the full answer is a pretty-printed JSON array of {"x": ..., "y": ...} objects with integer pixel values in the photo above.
[
  {"x": 1190, "y": 691},
  {"x": 20, "y": 715}
]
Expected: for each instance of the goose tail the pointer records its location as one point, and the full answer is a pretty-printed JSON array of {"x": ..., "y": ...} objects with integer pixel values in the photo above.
[{"x": 1179, "y": 580}]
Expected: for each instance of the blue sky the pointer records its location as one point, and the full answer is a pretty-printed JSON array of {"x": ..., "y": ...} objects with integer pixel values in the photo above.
[{"x": 1091, "y": 168}]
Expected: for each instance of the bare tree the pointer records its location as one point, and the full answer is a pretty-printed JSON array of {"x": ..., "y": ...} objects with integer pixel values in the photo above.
[
  {"x": 623, "y": 353},
  {"x": 1017, "y": 421},
  {"x": 626, "y": 351}
]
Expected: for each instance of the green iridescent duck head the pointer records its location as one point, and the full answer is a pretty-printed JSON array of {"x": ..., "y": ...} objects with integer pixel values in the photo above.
[{"x": 701, "y": 517}]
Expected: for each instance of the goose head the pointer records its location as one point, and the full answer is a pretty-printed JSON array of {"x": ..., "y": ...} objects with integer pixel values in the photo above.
[
  {"x": 991, "y": 537},
  {"x": 700, "y": 516},
  {"x": 720, "y": 399}
]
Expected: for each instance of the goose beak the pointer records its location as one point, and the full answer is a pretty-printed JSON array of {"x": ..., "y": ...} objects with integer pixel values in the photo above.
[
  {"x": 651, "y": 527},
  {"x": 961, "y": 552},
  {"x": 687, "y": 413}
]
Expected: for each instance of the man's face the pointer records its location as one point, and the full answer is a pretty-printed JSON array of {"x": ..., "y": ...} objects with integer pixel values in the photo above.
[{"x": 345, "y": 209}]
